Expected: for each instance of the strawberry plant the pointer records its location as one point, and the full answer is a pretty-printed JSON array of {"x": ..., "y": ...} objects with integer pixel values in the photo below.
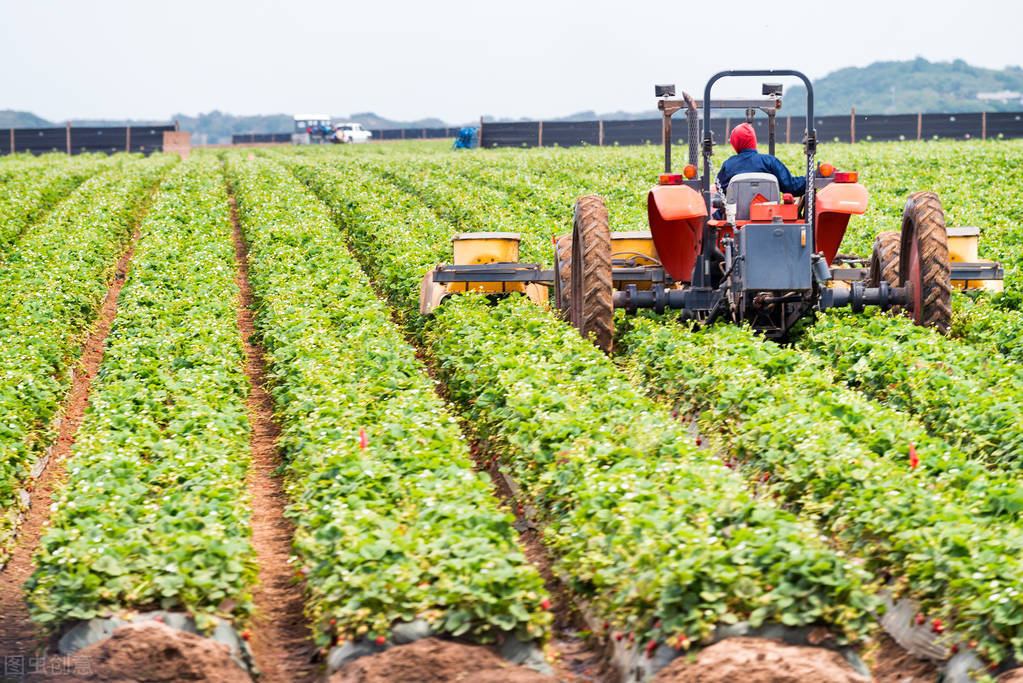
[
  {"x": 660, "y": 536},
  {"x": 909, "y": 504},
  {"x": 29, "y": 195},
  {"x": 967, "y": 397},
  {"x": 154, "y": 511},
  {"x": 391, "y": 521},
  {"x": 52, "y": 283}
]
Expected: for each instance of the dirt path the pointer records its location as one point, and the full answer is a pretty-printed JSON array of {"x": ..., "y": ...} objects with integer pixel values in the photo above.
[
  {"x": 280, "y": 639},
  {"x": 17, "y": 632}
]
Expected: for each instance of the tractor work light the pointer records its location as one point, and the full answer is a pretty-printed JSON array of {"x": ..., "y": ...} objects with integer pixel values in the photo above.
[
  {"x": 771, "y": 89},
  {"x": 847, "y": 177},
  {"x": 825, "y": 170},
  {"x": 670, "y": 179},
  {"x": 689, "y": 171},
  {"x": 667, "y": 90}
]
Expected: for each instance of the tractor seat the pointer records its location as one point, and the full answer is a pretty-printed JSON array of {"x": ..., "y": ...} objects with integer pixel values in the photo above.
[{"x": 744, "y": 187}]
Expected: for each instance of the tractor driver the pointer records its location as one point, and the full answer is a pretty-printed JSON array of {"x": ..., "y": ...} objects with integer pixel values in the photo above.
[{"x": 748, "y": 160}]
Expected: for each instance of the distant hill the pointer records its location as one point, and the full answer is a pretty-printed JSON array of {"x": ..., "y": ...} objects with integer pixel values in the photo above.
[
  {"x": 913, "y": 86},
  {"x": 21, "y": 119}
]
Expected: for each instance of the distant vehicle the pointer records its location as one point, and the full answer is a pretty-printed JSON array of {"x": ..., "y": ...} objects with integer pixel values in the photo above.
[
  {"x": 351, "y": 132},
  {"x": 312, "y": 129}
]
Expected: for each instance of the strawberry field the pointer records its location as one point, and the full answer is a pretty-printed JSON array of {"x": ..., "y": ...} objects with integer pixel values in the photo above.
[{"x": 690, "y": 482}]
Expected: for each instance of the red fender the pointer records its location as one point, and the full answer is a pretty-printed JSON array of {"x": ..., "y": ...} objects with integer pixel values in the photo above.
[
  {"x": 676, "y": 214},
  {"x": 835, "y": 203}
]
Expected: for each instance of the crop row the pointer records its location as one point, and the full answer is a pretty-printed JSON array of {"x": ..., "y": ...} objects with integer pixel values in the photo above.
[
  {"x": 398, "y": 243},
  {"x": 661, "y": 537},
  {"x": 985, "y": 324},
  {"x": 154, "y": 510},
  {"x": 912, "y": 506},
  {"x": 51, "y": 286},
  {"x": 27, "y": 196},
  {"x": 392, "y": 523},
  {"x": 968, "y": 397}
]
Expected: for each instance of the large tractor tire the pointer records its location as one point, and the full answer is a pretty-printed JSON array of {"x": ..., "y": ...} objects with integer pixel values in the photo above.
[
  {"x": 591, "y": 302},
  {"x": 563, "y": 274},
  {"x": 923, "y": 261}
]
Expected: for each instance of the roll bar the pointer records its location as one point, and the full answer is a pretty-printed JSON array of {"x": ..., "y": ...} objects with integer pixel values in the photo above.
[{"x": 809, "y": 146}]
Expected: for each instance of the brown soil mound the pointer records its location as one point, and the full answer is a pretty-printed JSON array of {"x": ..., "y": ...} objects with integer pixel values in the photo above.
[
  {"x": 150, "y": 651},
  {"x": 895, "y": 665},
  {"x": 757, "y": 660},
  {"x": 435, "y": 661},
  {"x": 1012, "y": 676}
]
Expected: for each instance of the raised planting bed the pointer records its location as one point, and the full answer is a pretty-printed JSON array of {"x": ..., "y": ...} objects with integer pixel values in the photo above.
[
  {"x": 392, "y": 525},
  {"x": 52, "y": 283},
  {"x": 959, "y": 392},
  {"x": 154, "y": 512},
  {"x": 663, "y": 540},
  {"x": 917, "y": 510}
]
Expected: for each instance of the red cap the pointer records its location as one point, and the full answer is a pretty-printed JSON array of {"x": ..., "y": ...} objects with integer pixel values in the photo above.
[{"x": 743, "y": 137}]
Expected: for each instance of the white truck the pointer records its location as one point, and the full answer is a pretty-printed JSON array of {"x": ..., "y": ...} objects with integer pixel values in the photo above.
[{"x": 351, "y": 132}]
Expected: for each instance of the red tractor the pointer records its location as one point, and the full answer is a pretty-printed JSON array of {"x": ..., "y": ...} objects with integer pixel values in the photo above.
[{"x": 751, "y": 255}]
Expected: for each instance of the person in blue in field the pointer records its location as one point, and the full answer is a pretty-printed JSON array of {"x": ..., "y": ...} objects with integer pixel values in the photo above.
[{"x": 748, "y": 160}]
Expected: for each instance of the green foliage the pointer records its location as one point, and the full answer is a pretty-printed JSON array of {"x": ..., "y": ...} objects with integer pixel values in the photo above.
[
  {"x": 397, "y": 526},
  {"x": 52, "y": 283},
  {"x": 154, "y": 510},
  {"x": 28, "y": 196},
  {"x": 970, "y": 398},
  {"x": 945, "y": 528},
  {"x": 659, "y": 536}
]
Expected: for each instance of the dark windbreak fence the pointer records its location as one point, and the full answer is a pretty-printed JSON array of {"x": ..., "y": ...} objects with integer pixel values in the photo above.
[
  {"x": 846, "y": 128},
  {"x": 413, "y": 133},
  {"x": 254, "y": 138},
  {"x": 79, "y": 139}
]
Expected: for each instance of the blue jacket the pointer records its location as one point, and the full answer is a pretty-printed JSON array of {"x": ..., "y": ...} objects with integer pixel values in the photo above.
[{"x": 751, "y": 161}]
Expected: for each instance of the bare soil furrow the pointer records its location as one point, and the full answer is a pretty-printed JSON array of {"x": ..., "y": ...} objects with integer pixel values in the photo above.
[{"x": 280, "y": 640}]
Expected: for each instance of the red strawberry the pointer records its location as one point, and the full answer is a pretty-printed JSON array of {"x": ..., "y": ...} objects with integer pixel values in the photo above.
[
  {"x": 914, "y": 460},
  {"x": 699, "y": 441},
  {"x": 381, "y": 640},
  {"x": 618, "y": 636},
  {"x": 159, "y": 619},
  {"x": 650, "y": 648},
  {"x": 954, "y": 649},
  {"x": 363, "y": 439},
  {"x": 246, "y": 635},
  {"x": 333, "y": 621},
  {"x": 607, "y": 625},
  {"x": 919, "y": 618},
  {"x": 937, "y": 626},
  {"x": 546, "y": 604}
]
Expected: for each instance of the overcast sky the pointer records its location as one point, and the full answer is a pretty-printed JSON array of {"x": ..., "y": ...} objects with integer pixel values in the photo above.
[{"x": 452, "y": 59}]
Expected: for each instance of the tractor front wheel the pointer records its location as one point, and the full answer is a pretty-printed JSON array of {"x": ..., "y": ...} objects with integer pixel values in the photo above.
[
  {"x": 923, "y": 261},
  {"x": 884, "y": 260},
  {"x": 563, "y": 274},
  {"x": 591, "y": 302}
]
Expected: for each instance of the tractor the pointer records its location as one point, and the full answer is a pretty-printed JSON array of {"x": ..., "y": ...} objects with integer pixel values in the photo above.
[{"x": 749, "y": 256}]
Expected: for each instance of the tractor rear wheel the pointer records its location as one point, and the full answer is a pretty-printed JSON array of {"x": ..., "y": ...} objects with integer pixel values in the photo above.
[
  {"x": 562, "y": 274},
  {"x": 591, "y": 302},
  {"x": 923, "y": 261}
]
